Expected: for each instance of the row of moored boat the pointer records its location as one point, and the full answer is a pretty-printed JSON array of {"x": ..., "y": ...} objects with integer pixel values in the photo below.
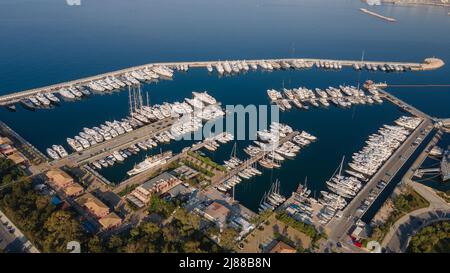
[
  {"x": 303, "y": 98},
  {"x": 110, "y": 83}
]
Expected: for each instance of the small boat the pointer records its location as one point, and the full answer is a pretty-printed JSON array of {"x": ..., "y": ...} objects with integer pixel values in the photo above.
[{"x": 11, "y": 107}]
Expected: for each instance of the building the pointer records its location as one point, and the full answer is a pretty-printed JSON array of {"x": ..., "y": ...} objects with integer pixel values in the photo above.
[
  {"x": 17, "y": 157},
  {"x": 243, "y": 225},
  {"x": 7, "y": 149},
  {"x": 158, "y": 185},
  {"x": 282, "y": 247},
  {"x": 62, "y": 181},
  {"x": 59, "y": 178},
  {"x": 93, "y": 205},
  {"x": 180, "y": 191},
  {"x": 217, "y": 213},
  {"x": 110, "y": 221},
  {"x": 5, "y": 140},
  {"x": 73, "y": 190}
]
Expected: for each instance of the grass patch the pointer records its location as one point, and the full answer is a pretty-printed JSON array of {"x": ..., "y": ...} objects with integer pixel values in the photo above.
[
  {"x": 198, "y": 168},
  {"x": 208, "y": 161}
]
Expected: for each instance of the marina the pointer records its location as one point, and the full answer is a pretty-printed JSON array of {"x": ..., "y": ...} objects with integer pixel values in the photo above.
[
  {"x": 146, "y": 112},
  {"x": 280, "y": 139},
  {"x": 345, "y": 185}
]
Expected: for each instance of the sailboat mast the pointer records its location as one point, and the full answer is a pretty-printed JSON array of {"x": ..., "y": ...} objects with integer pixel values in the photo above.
[
  {"x": 233, "y": 194},
  {"x": 140, "y": 97},
  {"x": 130, "y": 102},
  {"x": 135, "y": 100},
  {"x": 342, "y": 164},
  {"x": 148, "y": 101}
]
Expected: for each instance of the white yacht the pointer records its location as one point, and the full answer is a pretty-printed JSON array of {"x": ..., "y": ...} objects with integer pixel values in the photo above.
[
  {"x": 150, "y": 162},
  {"x": 66, "y": 94},
  {"x": 54, "y": 155}
]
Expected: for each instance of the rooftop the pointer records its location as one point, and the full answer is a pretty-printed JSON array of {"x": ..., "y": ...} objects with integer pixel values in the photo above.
[
  {"x": 17, "y": 157},
  {"x": 73, "y": 189},
  {"x": 149, "y": 185},
  {"x": 95, "y": 206},
  {"x": 217, "y": 211},
  {"x": 59, "y": 177},
  {"x": 282, "y": 247},
  {"x": 109, "y": 221}
]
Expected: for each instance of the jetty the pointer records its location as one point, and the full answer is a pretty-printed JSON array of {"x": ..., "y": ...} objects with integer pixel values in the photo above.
[
  {"x": 14, "y": 97},
  {"x": 389, "y": 19}
]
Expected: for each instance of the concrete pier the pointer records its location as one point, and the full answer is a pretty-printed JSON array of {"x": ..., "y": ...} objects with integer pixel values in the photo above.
[
  {"x": 427, "y": 64},
  {"x": 389, "y": 19}
]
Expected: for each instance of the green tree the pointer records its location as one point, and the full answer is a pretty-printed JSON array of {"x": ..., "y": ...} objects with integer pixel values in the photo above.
[
  {"x": 228, "y": 238},
  {"x": 95, "y": 245},
  {"x": 60, "y": 229}
]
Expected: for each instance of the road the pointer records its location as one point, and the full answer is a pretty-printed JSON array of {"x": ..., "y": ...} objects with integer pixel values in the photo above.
[
  {"x": 397, "y": 239},
  {"x": 9, "y": 242},
  {"x": 339, "y": 227},
  {"x": 402, "y": 231},
  {"x": 12, "y": 239}
]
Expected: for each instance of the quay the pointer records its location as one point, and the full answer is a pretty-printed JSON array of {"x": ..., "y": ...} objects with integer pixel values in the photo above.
[
  {"x": 389, "y": 19},
  {"x": 338, "y": 228},
  {"x": 403, "y": 105},
  {"x": 103, "y": 149},
  {"x": 427, "y": 64},
  {"x": 142, "y": 177},
  {"x": 23, "y": 145}
]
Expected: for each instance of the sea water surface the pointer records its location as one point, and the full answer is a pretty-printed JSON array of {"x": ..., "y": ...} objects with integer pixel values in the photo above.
[{"x": 47, "y": 41}]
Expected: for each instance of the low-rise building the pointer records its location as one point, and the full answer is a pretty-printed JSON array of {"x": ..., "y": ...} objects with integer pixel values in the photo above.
[
  {"x": 158, "y": 185},
  {"x": 17, "y": 157},
  {"x": 217, "y": 213},
  {"x": 282, "y": 247},
  {"x": 73, "y": 190},
  {"x": 5, "y": 140},
  {"x": 93, "y": 205},
  {"x": 59, "y": 178},
  {"x": 110, "y": 221},
  {"x": 7, "y": 149}
]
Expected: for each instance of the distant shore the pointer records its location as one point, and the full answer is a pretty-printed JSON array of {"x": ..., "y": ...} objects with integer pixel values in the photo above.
[
  {"x": 389, "y": 19},
  {"x": 413, "y": 3}
]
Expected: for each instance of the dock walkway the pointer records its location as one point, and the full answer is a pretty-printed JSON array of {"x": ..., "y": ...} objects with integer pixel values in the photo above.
[{"x": 250, "y": 161}]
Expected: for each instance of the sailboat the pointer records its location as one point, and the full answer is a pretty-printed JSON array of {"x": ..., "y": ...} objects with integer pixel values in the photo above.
[{"x": 302, "y": 190}]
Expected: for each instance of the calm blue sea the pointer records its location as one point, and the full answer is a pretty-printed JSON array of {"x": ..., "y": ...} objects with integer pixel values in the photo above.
[{"x": 47, "y": 41}]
